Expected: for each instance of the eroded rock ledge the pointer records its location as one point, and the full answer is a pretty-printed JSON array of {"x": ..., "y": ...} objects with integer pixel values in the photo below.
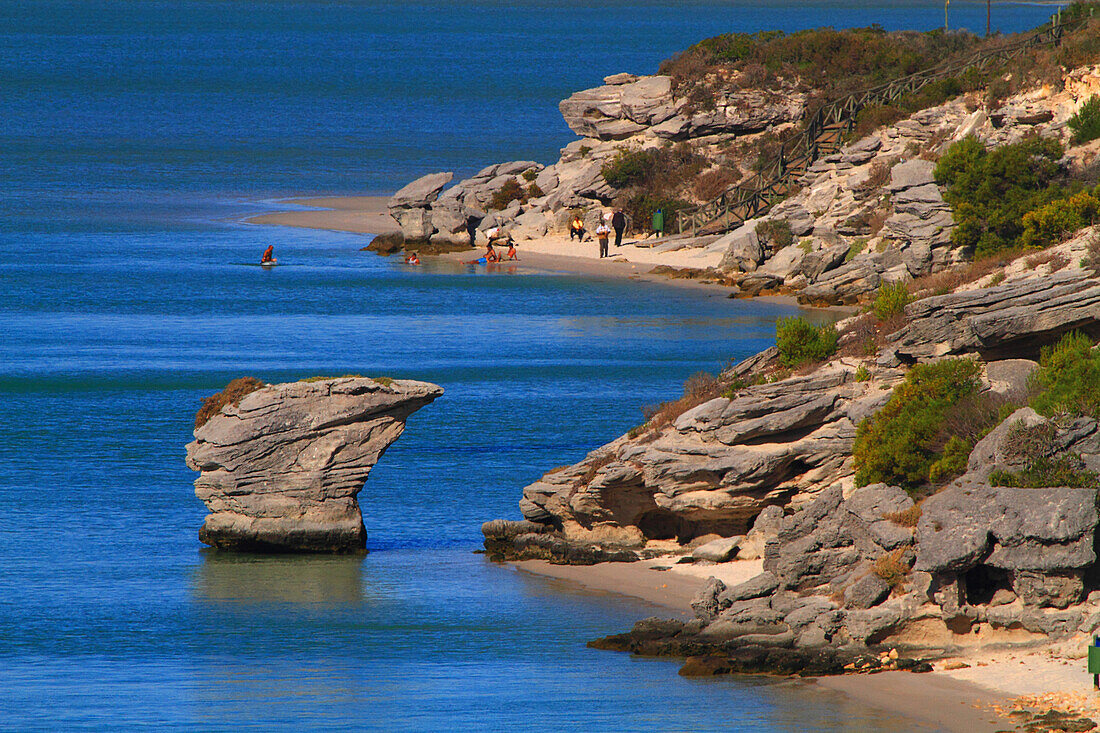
[{"x": 280, "y": 471}]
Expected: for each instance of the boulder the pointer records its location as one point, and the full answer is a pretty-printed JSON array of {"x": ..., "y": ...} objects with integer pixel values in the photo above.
[
  {"x": 421, "y": 192},
  {"x": 280, "y": 470},
  {"x": 743, "y": 250},
  {"x": 721, "y": 550}
]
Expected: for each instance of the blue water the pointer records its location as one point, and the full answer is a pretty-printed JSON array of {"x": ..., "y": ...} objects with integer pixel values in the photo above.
[{"x": 134, "y": 136}]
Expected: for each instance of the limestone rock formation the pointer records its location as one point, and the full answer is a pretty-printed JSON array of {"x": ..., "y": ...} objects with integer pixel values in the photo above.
[{"x": 280, "y": 471}]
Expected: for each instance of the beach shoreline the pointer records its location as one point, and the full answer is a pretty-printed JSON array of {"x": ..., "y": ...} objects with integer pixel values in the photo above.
[
  {"x": 974, "y": 693},
  {"x": 368, "y": 215}
]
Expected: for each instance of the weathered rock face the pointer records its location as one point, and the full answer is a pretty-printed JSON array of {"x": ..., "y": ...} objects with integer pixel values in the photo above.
[
  {"x": 281, "y": 470},
  {"x": 1017, "y": 316}
]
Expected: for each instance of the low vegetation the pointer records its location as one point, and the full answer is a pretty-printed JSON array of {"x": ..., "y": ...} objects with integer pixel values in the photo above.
[
  {"x": 900, "y": 443},
  {"x": 698, "y": 388},
  {"x": 233, "y": 393},
  {"x": 1035, "y": 449},
  {"x": 1086, "y": 123},
  {"x": 777, "y": 232},
  {"x": 1067, "y": 381},
  {"x": 800, "y": 342},
  {"x": 892, "y": 568},
  {"x": 654, "y": 178},
  {"x": 890, "y": 300},
  {"x": 990, "y": 191}
]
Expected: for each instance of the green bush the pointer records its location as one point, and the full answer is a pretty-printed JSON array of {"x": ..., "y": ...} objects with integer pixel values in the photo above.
[
  {"x": 862, "y": 375},
  {"x": 530, "y": 175},
  {"x": 509, "y": 192},
  {"x": 1036, "y": 448},
  {"x": 800, "y": 342},
  {"x": 990, "y": 191},
  {"x": 953, "y": 461},
  {"x": 628, "y": 168},
  {"x": 898, "y": 444},
  {"x": 1068, "y": 378},
  {"x": 1048, "y": 225},
  {"x": 890, "y": 300},
  {"x": 777, "y": 231},
  {"x": 1086, "y": 123}
]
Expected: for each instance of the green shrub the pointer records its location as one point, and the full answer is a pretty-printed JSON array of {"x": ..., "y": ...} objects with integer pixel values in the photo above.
[
  {"x": 1068, "y": 378},
  {"x": 952, "y": 462},
  {"x": 1086, "y": 123},
  {"x": 800, "y": 342},
  {"x": 506, "y": 194},
  {"x": 530, "y": 175},
  {"x": 898, "y": 444},
  {"x": 990, "y": 191},
  {"x": 862, "y": 375},
  {"x": 890, "y": 300},
  {"x": 533, "y": 191},
  {"x": 854, "y": 250},
  {"x": 777, "y": 231},
  {"x": 1048, "y": 225},
  {"x": 628, "y": 168},
  {"x": 1036, "y": 448}
]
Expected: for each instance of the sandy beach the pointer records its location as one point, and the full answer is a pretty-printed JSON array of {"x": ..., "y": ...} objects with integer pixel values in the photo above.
[
  {"x": 553, "y": 253},
  {"x": 357, "y": 214},
  {"x": 972, "y": 694}
]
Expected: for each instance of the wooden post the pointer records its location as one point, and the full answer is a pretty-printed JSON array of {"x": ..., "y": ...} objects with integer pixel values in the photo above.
[{"x": 988, "y": 32}]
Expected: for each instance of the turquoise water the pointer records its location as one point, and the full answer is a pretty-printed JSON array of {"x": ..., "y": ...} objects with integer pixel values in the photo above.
[{"x": 134, "y": 136}]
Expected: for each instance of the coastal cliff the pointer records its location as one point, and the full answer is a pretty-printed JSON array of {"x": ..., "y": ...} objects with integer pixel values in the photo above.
[
  {"x": 869, "y": 209},
  {"x": 281, "y": 465}
]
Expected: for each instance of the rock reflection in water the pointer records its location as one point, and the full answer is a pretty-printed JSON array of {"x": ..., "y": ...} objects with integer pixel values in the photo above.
[{"x": 295, "y": 579}]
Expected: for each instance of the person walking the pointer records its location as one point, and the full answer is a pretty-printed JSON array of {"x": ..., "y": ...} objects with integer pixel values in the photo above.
[
  {"x": 658, "y": 224},
  {"x": 603, "y": 233},
  {"x": 618, "y": 221}
]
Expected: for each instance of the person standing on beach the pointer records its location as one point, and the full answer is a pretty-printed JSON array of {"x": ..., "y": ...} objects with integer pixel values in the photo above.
[
  {"x": 618, "y": 221},
  {"x": 658, "y": 224},
  {"x": 472, "y": 223},
  {"x": 603, "y": 232}
]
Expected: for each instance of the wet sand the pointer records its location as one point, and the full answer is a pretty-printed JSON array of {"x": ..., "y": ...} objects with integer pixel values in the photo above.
[{"x": 356, "y": 214}]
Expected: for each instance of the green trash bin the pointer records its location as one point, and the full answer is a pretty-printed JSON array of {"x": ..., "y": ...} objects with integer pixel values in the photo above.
[{"x": 1094, "y": 660}]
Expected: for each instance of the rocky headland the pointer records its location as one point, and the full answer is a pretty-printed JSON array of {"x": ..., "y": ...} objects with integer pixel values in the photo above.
[
  {"x": 281, "y": 465},
  {"x": 920, "y": 479},
  {"x": 869, "y": 210}
]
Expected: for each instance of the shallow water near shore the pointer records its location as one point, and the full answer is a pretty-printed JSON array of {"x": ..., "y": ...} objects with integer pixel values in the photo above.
[{"x": 134, "y": 136}]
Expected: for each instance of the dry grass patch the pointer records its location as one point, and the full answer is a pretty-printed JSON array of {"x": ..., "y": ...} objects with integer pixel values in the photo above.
[
  {"x": 892, "y": 568},
  {"x": 905, "y": 518},
  {"x": 233, "y": 393},
  {"x": 594, "y": 467}
]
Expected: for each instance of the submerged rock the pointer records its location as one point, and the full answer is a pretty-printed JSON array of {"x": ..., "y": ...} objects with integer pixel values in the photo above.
[{"x": 280, "y": 470}]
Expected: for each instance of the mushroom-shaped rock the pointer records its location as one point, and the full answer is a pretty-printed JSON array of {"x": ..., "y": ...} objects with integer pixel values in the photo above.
[{"x": 281, "y": 468}]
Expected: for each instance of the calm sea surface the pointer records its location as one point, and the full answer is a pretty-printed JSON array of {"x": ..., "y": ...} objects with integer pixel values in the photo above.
[{"x": 133, "y": 136}]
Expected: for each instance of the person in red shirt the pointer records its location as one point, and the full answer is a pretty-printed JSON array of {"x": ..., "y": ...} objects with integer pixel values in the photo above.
[{"x": 269, "y": 254}]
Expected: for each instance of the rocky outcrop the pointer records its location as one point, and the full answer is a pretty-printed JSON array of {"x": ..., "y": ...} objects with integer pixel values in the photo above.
[
  {"x": 280, "y": 471},
  {"x": 1016, "y": 317},
  {"x": 839, "y": 581},
  {"x": 410, "y": 207}
]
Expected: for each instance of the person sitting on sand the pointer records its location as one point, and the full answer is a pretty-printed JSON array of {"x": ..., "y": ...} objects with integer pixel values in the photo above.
[
  {"x": 412, "y": 259},
  {"x": 512, "y": 250},
  {"x": 269, "y": 254},
  {"x": 576, "y": 228},
  {"x": 491, "y": 254}
]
